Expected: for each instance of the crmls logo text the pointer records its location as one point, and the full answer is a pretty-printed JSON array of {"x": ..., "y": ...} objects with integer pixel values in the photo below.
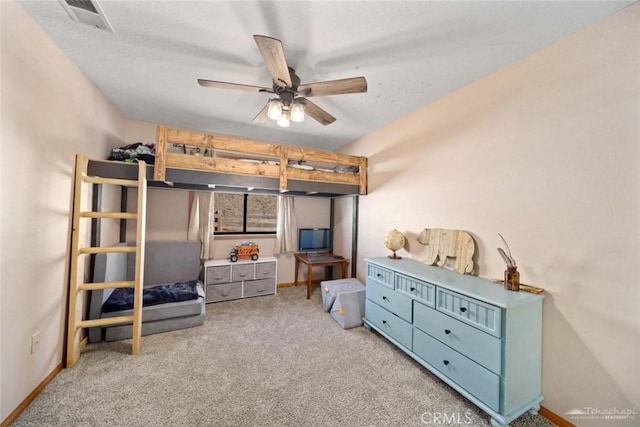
[{"x": 445, "y": 418}]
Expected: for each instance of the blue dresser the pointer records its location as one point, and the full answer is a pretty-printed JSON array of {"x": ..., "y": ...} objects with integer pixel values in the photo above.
[{"x": 482, "y": 340}]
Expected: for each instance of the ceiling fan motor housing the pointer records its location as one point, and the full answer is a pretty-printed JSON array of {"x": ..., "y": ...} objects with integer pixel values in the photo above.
[{"x": 286, "y": 96}]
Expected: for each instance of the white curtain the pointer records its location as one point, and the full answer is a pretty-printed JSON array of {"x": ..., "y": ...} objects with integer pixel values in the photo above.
[
  {"x": 286, "y": 229},
  {"x": 202, "y": 222}
]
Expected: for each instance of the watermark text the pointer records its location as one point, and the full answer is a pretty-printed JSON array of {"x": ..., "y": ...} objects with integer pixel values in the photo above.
[{"x": 446, "y": 418}]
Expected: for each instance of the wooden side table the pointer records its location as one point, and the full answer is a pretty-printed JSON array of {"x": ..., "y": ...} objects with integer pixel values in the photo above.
[{"x": 323, "y": 259}]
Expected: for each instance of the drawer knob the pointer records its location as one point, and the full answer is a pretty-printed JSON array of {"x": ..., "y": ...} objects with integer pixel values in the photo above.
[
  {"x": 447, "y": 331},
  {"x": 384, "y": 322},
  {"x": 413, "y": 289},
  {"x": 384, "y": 297},
  {"x": 446, "y": 362},
  {"x": 463, "y": 309},
  {"x": 379, "y": 275}
]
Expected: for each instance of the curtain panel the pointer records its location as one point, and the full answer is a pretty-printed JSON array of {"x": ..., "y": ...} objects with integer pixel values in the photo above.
[
  {"x": 286, "y": 228},
  {"x": 202, "y": 221}
]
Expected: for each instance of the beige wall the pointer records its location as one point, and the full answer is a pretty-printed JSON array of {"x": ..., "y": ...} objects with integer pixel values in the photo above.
[
  {"x": 343, "y": 227},
  {"x": 547, "y": 153},
  {"x": 50, "y": 112}
]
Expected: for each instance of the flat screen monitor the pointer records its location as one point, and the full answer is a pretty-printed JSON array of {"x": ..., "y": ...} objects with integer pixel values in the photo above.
[{"x": 314, "y": 240}]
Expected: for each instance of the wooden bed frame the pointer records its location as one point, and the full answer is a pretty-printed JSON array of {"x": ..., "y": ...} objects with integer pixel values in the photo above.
[
  {"x": 233, "y": 155},
  {"x": 231, "y": 164}
]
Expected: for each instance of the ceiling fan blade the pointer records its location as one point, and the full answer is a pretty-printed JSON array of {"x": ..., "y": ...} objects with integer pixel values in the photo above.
[
  {"x": 273, "y": 54},
  {"x": 233, "y": 86},
  {"x": 261, "y": 117},
  {"x": 334, "y": 87},
  {"x": 317, "y": 113}
]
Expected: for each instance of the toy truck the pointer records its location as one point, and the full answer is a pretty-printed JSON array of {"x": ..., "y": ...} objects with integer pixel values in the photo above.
[{"x": 245, "y": 250}]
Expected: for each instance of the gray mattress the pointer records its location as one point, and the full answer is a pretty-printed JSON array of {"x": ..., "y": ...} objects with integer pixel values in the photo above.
[
  {"x": 165, "y": 318},
  {"x": 165, "y": 262}
]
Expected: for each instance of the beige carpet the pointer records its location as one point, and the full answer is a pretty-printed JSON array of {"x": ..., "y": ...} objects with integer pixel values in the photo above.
[{"x": 267, "y": 361}]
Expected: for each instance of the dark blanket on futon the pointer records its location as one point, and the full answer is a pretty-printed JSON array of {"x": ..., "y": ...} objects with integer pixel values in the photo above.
[{"x": 122, "y": 298}]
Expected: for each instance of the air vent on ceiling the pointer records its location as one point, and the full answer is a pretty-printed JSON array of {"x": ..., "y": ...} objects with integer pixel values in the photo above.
[{"x": 87, "y": 12}]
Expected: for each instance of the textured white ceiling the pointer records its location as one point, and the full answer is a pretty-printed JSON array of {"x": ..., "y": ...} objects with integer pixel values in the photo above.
[{"x": 411, "y": 52}]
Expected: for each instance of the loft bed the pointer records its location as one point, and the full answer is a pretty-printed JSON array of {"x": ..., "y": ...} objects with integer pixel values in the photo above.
[
  {"x": 227, "y": 164},
  {"x": 194, "y": 160}
]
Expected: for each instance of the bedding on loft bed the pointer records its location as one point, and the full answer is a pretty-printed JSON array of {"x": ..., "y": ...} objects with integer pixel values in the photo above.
[{"x": 133, "y": 153}]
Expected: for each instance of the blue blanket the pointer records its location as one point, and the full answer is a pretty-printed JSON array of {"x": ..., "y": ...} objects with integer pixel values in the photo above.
[{"x": 122, "y": 298}]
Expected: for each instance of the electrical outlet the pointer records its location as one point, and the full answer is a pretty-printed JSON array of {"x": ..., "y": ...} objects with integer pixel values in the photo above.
[{"x": 35, "y": 342}]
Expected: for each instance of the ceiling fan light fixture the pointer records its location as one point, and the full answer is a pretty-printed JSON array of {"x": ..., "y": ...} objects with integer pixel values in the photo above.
[
  {"x": 297, "y": 112},
  {"x": 284, "y": 120},
  {"x": 290, "y": 97},
  {"x": 274, "y": 109}
]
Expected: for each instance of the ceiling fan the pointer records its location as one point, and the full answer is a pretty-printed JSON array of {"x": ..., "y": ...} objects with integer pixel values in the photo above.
[{"x": 291, "y": 103}]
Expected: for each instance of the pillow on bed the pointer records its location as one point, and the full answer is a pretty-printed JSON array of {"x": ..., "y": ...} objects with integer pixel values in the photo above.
[
  {"x": 346, "y": 169},
  {"x": 122, "y": 298}
]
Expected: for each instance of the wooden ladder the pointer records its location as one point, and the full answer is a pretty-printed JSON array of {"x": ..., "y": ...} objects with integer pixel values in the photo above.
[{"x": 75, "y": 320}]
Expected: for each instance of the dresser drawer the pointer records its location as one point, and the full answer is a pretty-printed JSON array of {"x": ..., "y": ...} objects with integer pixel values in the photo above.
[
  {"x": 380, "y": 274},
  {"x": 389, "y": 323},
  {"x": 218, "y": 274},
  {"x": 254, "y": 288},
  {"x": 471, "y": 342},
  {"x": 425, "y": 292},
  {"x": 265, "y": 269},
  {"x": 242, "y": 272},
  {"x": 224, "y": 291},
  {"x": 484, "y": 316},
  {"x": 480, "y": 382},
  {"x": 391, "y": 300}
]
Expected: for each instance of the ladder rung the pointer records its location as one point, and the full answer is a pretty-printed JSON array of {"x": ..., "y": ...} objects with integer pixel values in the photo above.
[
  {"x": 115, "y": 215},
  {"x": 106, "y": 249},
  {"x": 106, "y": 285},
  {"x": 105, "y": 321},
  {"x": 114, "y": 181}
]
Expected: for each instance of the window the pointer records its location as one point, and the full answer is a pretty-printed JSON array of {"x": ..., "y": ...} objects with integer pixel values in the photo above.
[{"x": 238, "y": 213}]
